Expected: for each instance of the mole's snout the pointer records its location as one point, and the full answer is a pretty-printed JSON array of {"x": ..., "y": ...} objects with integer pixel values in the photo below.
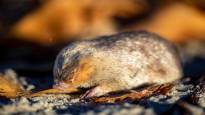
[{"x": 60, "y": 86}]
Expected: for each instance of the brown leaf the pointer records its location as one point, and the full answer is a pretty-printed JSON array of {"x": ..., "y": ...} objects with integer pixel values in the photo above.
[
  {"x": 9, "y": 89},
  {"x": 155, "y": 90},
  {"x": 70, "y": 90}
]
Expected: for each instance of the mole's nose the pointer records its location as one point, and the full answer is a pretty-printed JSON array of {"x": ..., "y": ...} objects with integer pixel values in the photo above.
[{"x": 60, "y": 86}]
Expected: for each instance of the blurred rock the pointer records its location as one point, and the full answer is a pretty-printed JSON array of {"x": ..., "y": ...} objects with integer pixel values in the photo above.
[
  {"x": 197, "y": 3},
  {"x": 69, "y": 20},
  {"x": 177, "y": 22}
]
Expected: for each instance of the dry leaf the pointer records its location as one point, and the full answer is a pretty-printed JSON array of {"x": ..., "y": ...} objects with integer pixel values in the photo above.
[
  {"x": 9, "y": 89},
  {"x": 155, "y": 90},
  {"x": 70, "y": 90}
]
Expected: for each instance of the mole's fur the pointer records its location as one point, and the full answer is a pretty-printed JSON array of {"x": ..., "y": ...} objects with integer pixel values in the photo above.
[{"x": 118, "y": 62}]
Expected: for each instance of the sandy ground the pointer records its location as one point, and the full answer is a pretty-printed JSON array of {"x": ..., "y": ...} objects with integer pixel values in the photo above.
[{"x": 174, "y": 103}]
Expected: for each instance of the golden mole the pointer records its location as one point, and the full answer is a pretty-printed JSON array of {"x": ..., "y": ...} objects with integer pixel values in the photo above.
[{"x": 118, "y": 62}]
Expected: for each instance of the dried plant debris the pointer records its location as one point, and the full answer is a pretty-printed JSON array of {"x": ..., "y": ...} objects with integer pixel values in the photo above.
[
  {"x": 13, "y": 86},
  {"x": 9, "y": 89},
  {"x": 70, "y": 90},
  {"x": 155, "y": 90}
]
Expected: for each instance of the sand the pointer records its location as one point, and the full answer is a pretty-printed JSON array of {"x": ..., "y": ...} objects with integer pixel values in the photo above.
[{"x": 51, "y": 104}]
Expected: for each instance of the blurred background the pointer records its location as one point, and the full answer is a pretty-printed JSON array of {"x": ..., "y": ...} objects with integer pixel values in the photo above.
[{"x": 32, "y": 32}]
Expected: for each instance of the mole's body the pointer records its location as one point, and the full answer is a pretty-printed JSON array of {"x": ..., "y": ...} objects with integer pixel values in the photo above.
[{"x": 117, "y": 62}]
